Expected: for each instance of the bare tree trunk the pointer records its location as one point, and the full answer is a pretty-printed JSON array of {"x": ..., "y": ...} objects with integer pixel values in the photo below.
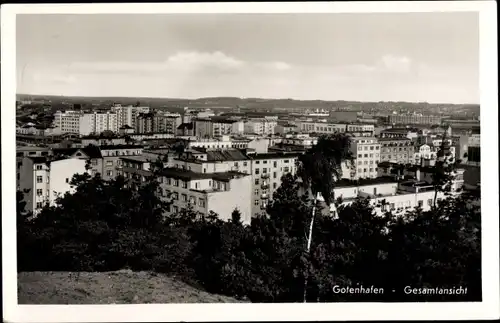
[{"x": 309, "y": 239}]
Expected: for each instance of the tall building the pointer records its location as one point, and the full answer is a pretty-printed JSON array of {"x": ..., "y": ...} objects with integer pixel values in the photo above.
[
  {"x": 217, "y": 127},
  {"x": 67, "y": 122},
  {"x": 166, "y": 123},
  {"x": 144, "y": 123},
  {"x": 46, "y": 179},
  {"x": 366, "y": 150},
  {"x": 98, "y": 122}
]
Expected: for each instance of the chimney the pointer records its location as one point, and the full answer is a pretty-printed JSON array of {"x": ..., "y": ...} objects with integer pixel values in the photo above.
[{"x": 417, "y": 175}]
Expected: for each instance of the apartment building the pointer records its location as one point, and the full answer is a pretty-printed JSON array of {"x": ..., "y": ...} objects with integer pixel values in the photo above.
[
  {"x": 27, "y": 151},
  {"x": 90, "y": 154},
  {"x": 408, "y": 119},
  {"x": 213, "y": 143},
  {"x": 285, "y": 128},
  {"x": 45, "y": 179},
  {"x": 98, "y": 122},
  {"x": 111, "y": 155},
  {"x": 267, "y": 171},
  {"x": 397, "y": 150},
  {"x": 410, "y": 133},
  {"x": 166, "y": 123},
  {"x": 220, "y": 192},
  {"x": 216, "y": 127},
  {"x": 144, "y": 123},
  {"x": 67, "y": 122},
  {"x": 321, "y": 127},
  {"x": 261, "y": 126},
  {"x": 360, "y": 127},
  {"x": 366, "y": 150}
]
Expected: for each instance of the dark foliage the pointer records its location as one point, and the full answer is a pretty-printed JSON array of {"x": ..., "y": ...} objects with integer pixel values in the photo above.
[{"x": 109, "y": 225}]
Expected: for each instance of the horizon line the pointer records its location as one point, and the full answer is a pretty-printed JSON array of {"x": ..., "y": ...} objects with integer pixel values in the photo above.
[{"x": 243, "y": 98}]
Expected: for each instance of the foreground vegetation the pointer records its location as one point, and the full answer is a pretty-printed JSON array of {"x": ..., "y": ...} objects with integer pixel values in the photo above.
[{"x": 284, "y": 257}]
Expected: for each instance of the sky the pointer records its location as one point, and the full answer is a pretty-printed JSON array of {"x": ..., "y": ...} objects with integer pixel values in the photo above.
[{"x": 416, "y": 57}]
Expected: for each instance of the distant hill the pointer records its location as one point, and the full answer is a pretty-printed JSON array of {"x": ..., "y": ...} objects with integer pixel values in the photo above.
[
  {"x": 261, "y": 104},
  {"x": 119, "y": 287}
]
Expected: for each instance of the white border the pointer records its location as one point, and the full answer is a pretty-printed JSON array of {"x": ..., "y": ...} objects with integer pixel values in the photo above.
[{"x": 487, "y": 309}]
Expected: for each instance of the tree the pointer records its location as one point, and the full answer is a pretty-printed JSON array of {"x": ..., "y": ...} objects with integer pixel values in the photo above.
[
  {"x": 318, "y": 169},
  {"x": 443, "y": 169}
]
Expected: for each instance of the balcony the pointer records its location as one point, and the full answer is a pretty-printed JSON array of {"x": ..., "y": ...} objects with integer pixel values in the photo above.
[
  {"x": 265, "y": 175},
  {"x": 264, "y": 196},
  {"x": 264, "y": 185}
]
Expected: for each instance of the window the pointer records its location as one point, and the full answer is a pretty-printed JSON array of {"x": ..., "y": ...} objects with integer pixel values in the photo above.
[
  {"x": 360, "y": 170},
  {"x": 371, "y": 169},
  {"x": 365, "y": 148},
  {"x": 175, "y": 209},
  {"x": 184, "y": 184},
  {"x": 38, "y": 167},
  {"x": 94, "y": 172},
  {"x": 39, "y": 192},
  {"x": 256, "y": 181},
  {"x": 176, "y": 182},
  {"x": 286, "y": 161},
  {"x": 257, "y": 171},
  {"x": 245, "y": 163},
  {"x": 168, "y": 181},
  {"x": 393, "y": 206},
  {"x": 39, "y": 205},
  {"x": 360, "y": 162},
  {"x": 192, "y": 200},
  {"x": 429, "y": 202},
  {"x": 256, "y": 202},
  {"x": 257, "y": 162},
  {"x": 109, "y": 163},
  {"x": 109, "y": 173},
  {"x": 256, "y": 191},
  {"x": 39, "y": 179},
  {"x": 275, "y": 175},
  {"x": 184, "y": 197},
  {"x": 360, "y": 155},
  {"x": 286, "y": 169},
  {"x": 371, "y": 147},
  {"x": 201, "y": 202},
  {"x": 175, "y": 196},
  {"x": 366, "y": 162},
  {"x": 275, "y": 185},
  {"x": 365, "y": 170},
  {"x": 264, "y": 170},
  {"x": 94, "y": 162},
  {"x": 275, "y": 164},
  {"x": 420, "y": 203}
]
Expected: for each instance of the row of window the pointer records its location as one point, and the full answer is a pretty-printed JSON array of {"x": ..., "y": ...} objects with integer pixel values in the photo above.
[
  {"x": 407, "y": 204},
  {"x": 366, "y": 147},
  {"x": 184, "y": 198},
  {"x": 367, "y": 155},
  {"x": 366, "y": 162}
]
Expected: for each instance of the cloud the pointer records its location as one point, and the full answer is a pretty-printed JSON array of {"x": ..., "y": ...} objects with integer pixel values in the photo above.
[
  {"x": 54, "y": 78},
  {"x": 396, "y": 63},
  {"x": 184, "y": 61}
]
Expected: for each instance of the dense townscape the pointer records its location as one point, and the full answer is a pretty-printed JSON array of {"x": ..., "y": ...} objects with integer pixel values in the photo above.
[{"x": 265, "y": 204}]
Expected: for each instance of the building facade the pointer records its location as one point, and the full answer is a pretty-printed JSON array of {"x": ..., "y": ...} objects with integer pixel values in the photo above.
[{"x": 397, "y": 150}]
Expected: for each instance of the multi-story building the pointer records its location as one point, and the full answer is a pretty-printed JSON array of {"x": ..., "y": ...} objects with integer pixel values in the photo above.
[
  {"x": 111, "y": 155},
  {"x": 124, "y": 115},
  {"x": 98, "y": 122},
  {"x": 166, "y": 123},
  {"x": 261, "y": 126},
  {"x": 267, "y": 171},
  {"x": 90, "y": 154},
  {"x": 216, "y": 127},
  {"x": 321, "y": 127},
  {"x": 185, "y": 129},
  {"x": 45, "y": 179},
  {"x": 360, "y": 127},
  {"x": 366, "y": 151},
  {"x": 397, "y": 150},
  {"x": 408, "y": 119},
  {"x": 218, "y": 191},
  {"x": 28, "y": 151},
  {"x": 67, "y": 122},
  {"x": 285, "y": 128},
  {"x": 410, "y": 133},
  {"x": 144, "y": 123}
]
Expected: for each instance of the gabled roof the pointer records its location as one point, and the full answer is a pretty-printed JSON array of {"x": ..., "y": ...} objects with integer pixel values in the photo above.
[{"x": 90, "y": 151}]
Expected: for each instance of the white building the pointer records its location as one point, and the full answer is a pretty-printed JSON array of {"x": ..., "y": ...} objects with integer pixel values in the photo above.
[
  {"x": 261, "y": 126},
  {"x": 47, "y": 179},
  {"x": 98, "y": 122},
  {"x": 386, "y": 195},
  {"x": 67, "y": 122},
  {"x": 217, "y": 191},
  {"x": 366, "y": 150}
]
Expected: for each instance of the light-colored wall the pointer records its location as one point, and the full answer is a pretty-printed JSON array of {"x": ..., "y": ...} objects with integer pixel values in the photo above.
[
  {"x": 238, "y": 196},
  {"x": 61, "y": 173}
]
